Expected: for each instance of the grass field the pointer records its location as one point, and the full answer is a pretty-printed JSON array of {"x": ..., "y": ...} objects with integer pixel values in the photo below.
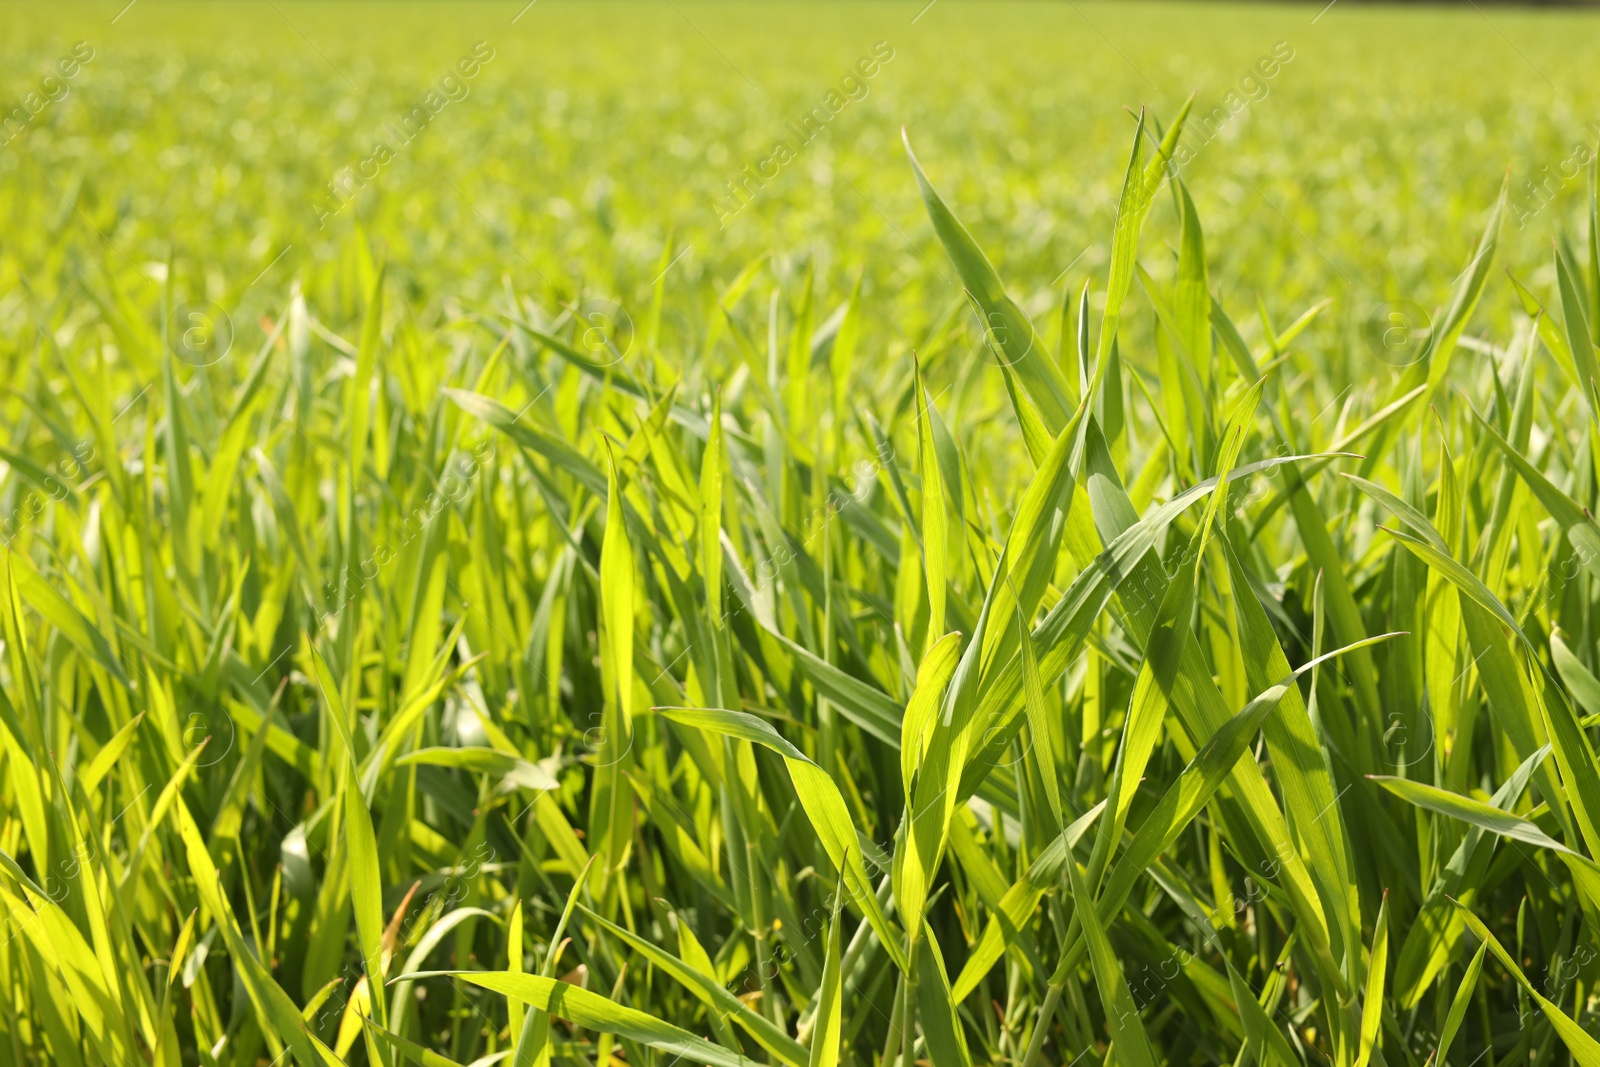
[{"x": 545, "y": 534}]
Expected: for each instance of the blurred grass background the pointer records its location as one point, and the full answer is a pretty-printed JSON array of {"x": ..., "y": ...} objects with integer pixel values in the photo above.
[{"x": 1363, "y": 173}]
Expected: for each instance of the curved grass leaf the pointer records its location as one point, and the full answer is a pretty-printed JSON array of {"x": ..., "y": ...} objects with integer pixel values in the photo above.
[{"x": 595, "y": 1012}]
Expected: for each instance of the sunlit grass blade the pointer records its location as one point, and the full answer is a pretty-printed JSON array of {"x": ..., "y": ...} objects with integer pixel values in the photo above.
[
  {"x": 1584, "y": 1048},
  {"x": 1012, "y": 331},
  {"x": 1127, "y": 1030},
  {"x": 595, "y": 1012},
  {"x": 1459, "y": 1005}
]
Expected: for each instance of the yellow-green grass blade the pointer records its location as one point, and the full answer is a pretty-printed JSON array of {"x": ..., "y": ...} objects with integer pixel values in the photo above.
[
  {"x": 941, "y": 1025},
  {"x": 711, "y": 993},
  {"x": 412, "y": 1051},
  {"x": 67, "y": 620},
  {"x": 1036, "y": 705},
  {"x": 92, "y": 775},
  {"x": 358, "y": 403},
  {"x": 1575, "y": 522},
  {"x": 1377, "y": 974},
  {"x": 1584, "y": 1048},
  {"x": 1234, "y": 431},
  {"x": 933, "y": 674},
  {"x": 611, "y": 802},
  {"x": 1148, "y": 707},
  {"x": 511, "y": 771},
  {"x": 935, "y": 515},
  {"x": 937, "y": 761},
  {"x": 1191, "y": 295},
  {"x": 361, "y": 845},
  {"x": 1484, "y": 816},
  {"x": 1021, "y": 346},
  {"x": 828, "y": 1016},
  {"x": 824, "y": 807},
  {"x": 1302, "y": 767},
  {"x": 1128, "y": 1035},
  {"x": 1211, "y": 766},
  {"x": 1579, "y": 340},
  {"x": 1200, "y": 703},
  {"x": 595, "y": 1012},
  {"x": 1139, "y": 185},
  {"x": 1459, "y": 1005},
  {"x": 275, "y": 1006},
  {"x": 711, "y": 486},
  {"x": 1121, "y": 567},
  {"x": 514, "y": 952},
  {"x": 1020, "y": 901},
  {"x": 1264, "y": 1043},
  {"x": 1040, "y": 525},
  {"x": 1446, "y": 331},
  {"x": 1438, "y": 926}
]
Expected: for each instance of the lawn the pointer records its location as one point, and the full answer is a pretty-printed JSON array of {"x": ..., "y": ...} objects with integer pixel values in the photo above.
[{"x": 808, "y": 534}]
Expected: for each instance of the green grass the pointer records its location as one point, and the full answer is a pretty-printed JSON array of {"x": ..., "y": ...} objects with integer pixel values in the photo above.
[{"x": 1024, "y": 603}]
